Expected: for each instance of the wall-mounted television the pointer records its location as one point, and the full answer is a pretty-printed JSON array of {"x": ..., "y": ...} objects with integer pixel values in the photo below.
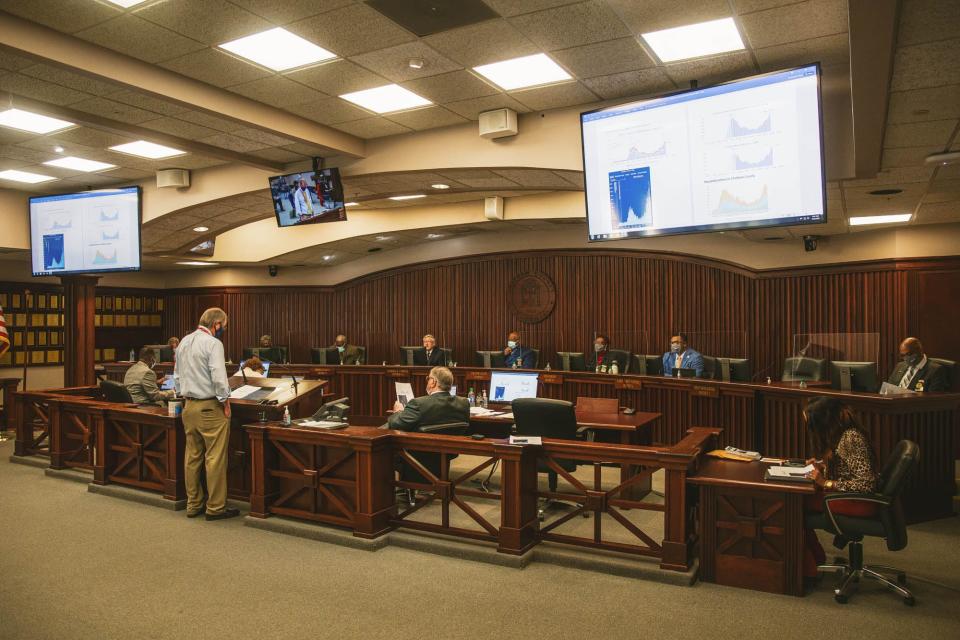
[
  {"x": 87, "y": 232},
  {"x": 308, "y": 197},
  {"x": 744, "y": 154}
]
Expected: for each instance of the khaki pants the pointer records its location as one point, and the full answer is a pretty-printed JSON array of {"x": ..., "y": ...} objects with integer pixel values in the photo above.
[{"x": 207, "y": 434}]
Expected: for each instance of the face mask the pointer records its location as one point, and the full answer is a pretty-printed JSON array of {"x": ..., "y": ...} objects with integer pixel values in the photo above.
[
  {"x": 912, "y": 359},
  {"x": 675, "y": 347},
  {"x": 218, "y": 334},
  {"x": 341, "y": 349},
  {"x": 597, "y": 347},
  {"x": 512, "y": 344},
  {"x": 153, "y": 364}
]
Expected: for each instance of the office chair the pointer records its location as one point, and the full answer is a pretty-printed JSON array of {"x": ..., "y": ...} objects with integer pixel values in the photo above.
[
  {"x": 115, "y": 392},
  {"x": 621, "y": 357},
  {"x": 709, "y": 367},
  {"x": 548, "y": 419},
  {"x": 406, "y": 355},
  {"x": 887, "y": 523},
  {"x": 363, "y": 355},
  {"x": 950, "y": 366},
  {"x": 429, "y": 459},
  {"x": 805, "y": 369}
]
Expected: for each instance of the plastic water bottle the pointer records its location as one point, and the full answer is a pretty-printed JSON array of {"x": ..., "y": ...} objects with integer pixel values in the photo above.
[
  {"x": 615, "y": 368},
  {"x": 472, "y": 397},
  {"x": 286, "y": 416},
  {"x": 547, "y": 368},
  {"x": 597, "y": 369},
  {"x": 483, "y": 399},
  {"x": 133, "y": 356},
  {"x": 515, "y": 363},
  {"x": 603, "y": 368}
]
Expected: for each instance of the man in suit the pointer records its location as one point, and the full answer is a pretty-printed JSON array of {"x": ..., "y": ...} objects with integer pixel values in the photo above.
[
  {"x": 914, "y": 366},
  {"x": 601, "y": 353},
  {"x": 141, "y": 381},
  {"x": 681, "y": 357},
  {"x": 269, "y": 352},
  {"x": 518, "y": 356},
  {"x": 429, "y": 355},
  {"x": 437, "y": 407},
  {"x": 349, "y": 354}
]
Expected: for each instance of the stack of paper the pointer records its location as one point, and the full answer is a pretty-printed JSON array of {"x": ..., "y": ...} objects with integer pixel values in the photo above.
[
  {"x": 789, "y": 474},
  {"x": 243, "y": 391},
  {"x": 526, "y": 440}
]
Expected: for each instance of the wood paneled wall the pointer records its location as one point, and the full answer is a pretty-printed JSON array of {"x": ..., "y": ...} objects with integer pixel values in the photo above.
[{"x": 639, "y": 299}]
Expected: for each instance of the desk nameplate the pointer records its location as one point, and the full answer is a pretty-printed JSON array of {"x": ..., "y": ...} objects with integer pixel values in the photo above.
[
  {"x": 551, "y": 378},
  {"x": 478, "y": 375},
  {"x": 704, "y": 391},
  {"x": 634, "y": 384}
]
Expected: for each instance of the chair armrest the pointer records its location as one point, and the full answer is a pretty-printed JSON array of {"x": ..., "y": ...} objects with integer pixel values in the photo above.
[{"x": 852, "y": 496}]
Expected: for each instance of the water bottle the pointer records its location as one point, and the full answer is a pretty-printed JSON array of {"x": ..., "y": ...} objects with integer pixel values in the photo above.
[
  {"x": 547, "y": 368},
  {"x": 597, "y": 369},
  {"x": 603, "y": 368},
  {"x": 514, "y": 365},
  {"x": 615, "y": 368},
  {"x": 133, "y": 356},
  {"x": 483, "y": 399},
  {"x": 472, "y": 397},
  {"x": 286, "y": 416}
]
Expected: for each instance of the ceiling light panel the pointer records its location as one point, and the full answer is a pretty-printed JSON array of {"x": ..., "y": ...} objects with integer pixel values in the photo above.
[
  {"x": 79, "y": 164},
  {"x": 889, "y": 219},
  {"x": 411, "y": 197},
  {"x": 695, "y": 40},
  {"x": 126, "y": 4},
  {"x": 146, "y": 149},
  {"x": 386, "y": 99},
  {"x": 24, "y": 176},
  {"x": 278, "y": 49},
  {"x": 520, "y": 73},
  {"x": 32, "y": 122}
]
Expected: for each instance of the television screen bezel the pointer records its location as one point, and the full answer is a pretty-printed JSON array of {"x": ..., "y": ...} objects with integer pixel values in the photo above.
[
  {"x": 45, "y": 274},
  {"x": 732, "y": 226},
  {"x": 342, "y": 211}
]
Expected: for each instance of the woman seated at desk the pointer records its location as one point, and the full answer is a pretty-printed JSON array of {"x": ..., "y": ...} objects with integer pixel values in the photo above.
[
  {"x": 845, "y": 462},
  {"x": 253, "y": 368}
]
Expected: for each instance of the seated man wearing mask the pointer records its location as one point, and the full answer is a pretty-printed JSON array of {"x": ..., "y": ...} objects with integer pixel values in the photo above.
[
  {"x": 681, "y": 357},
  {"x": 518, "y": 356},
  {"x": 268, "y": 352},
  {"x": 141, "y": 381},
  {"x": 437, "y": 407},
  {"x": 915, "y": 366},
  {"x": 600, "y": 355},
  {"x": 349, "y": 354}
]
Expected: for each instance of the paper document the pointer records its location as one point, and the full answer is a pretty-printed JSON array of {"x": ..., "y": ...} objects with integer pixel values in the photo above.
[
  {"x": 404, "y": 392},
  {"x": 478, "y": 411},
  {"x": 321, "y": 424},
  {"x": 887, "y": 389},
  {"x": 790, "y": 472},
  {"x": 243, "y": 391},
  {"x": 526, "y": 440}
]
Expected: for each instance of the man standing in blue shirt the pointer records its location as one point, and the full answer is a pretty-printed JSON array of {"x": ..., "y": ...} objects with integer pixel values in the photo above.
[
  {"x": 681, "y": 357},
  {"x": 516, "y": 355},
  {"x": 200, "y": 376}
]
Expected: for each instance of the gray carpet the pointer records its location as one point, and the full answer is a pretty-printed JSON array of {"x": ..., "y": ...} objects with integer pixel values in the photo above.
[{"x": 77, "y": 565}]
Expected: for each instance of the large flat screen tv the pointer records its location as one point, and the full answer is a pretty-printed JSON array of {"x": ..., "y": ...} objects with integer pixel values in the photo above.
[
  {"x": 88, "y": 232},
  {"x": 738, "y": 155},
  {"x": 308, "y": 197}
]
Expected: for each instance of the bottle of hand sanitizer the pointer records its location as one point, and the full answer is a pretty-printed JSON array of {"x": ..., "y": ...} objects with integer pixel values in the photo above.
[{"x": 286, "y": 416}]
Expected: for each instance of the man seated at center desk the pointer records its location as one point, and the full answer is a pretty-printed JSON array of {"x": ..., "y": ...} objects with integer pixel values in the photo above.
[
  {"x": 437, "y": 407},
  {"x": 516, "y": 355},
  {"x": 681, "y": 356}
]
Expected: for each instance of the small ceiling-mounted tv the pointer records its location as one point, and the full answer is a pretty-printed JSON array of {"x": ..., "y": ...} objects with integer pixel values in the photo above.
[{"x": 308, "y": 197}]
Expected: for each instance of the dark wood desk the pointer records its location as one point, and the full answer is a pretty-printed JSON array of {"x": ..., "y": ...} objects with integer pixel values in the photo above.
[
  {"x": 751, "y": 530},
  {"x": 7, "y": 387}
]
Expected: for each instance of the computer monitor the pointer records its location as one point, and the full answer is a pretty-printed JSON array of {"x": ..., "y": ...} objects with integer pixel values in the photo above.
[
  {"x": 733, "y": 370},
  {"x": 167, "y": 384},
  {"x": 507, "y": 386},
  {"x": 854, "y": 376},
  {"x": 684, "y": 372},
  {"x": 572, "y": 361}
]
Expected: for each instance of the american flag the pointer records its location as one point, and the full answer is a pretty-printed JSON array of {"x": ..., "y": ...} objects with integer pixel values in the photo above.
[{"x": 4, "y": 336}]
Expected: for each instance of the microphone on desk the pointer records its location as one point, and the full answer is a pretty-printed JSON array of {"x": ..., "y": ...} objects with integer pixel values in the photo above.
[
  {"x": 242, "y": 372},
  {"x": 295, "y": 388}
]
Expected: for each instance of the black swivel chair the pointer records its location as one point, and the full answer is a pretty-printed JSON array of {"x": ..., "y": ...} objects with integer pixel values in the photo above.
[
  {"x": 709, "y": 367},
  {"x": 888, "y": 523},
  {"x": 429, "y": 459},
  {"x": 804, "y": 369},
  {"x": 548, "y": 419},
  {"x": 950, "y": 366},
  {"x": 115, "y": 392},
  {"x": 621, "y": 357}
]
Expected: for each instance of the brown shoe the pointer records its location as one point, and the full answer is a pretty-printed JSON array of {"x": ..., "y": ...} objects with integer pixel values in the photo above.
[{"x": 226, "y": 513}]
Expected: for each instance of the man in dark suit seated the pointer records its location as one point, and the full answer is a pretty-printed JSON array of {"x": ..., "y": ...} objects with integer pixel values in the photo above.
[
  {"x": 915, "y": 366},
  {"x": 429, "y": 355},
  {"x": 349, "y": 354},
  {"x": 516, "y": 355},
  {"x": 600, "y": 355},
  {"x": 437, "y": 407}
]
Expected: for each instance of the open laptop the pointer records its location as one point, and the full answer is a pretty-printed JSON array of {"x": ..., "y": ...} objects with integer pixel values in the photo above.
[{"x": 507, "y": 386}]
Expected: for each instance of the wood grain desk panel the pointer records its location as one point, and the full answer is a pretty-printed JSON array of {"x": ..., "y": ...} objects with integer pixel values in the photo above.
[{"x": 7, "y": 387}]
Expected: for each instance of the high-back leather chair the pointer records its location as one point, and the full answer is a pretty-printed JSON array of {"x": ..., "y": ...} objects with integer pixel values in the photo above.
[
  {"x": 621, "y": 357},
  {"x": 429, "y": 459},
  {"x": 806, "y": 369},
  {"x": 709, "y": 367},
  {"x": 115, "y": 392},
  {"x": 888, "y": 523},
  {"x": 951, "y": 367}
]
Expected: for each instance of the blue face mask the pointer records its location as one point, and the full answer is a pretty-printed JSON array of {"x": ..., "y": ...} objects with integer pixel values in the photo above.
[
  {"x": 218, "y": 334},
  {"x": 341, "y": 349},
  {"x": 512, "y": 344}
]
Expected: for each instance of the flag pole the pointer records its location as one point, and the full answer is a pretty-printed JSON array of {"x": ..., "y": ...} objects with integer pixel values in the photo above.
[{"x": 26, "y": 331}]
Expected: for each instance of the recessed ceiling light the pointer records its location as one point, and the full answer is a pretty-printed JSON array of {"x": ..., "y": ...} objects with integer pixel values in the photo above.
[
  {"x": 695, "y": 40},
  {"x": 32, "y": 122},
  {"x": 197, "y": 263},
  {"x": 278, "y": 49},
  {"x": 24, "y": 176},
  {"x": 386, "y": 99},
  {"x": 79, "y": 164},
  {"x": 887, "y": 219},
  {"x": 146, "y": 149},
  {"x": 58, "y": 149},
  {"x": 528, "y": 71},
  {"x": 382, "y": 238},
  {"x": 415, "y": 63},
  {"x": 352, "y": 204},
  {"x": 328, "y": 257},
  {"x": 201, "y": 229},
  {"x": 434, "y": 236},
  {"x": 419, "y": 195},
  {"x": 126, "y": 4},
  {"x": 440, "y": 185}
]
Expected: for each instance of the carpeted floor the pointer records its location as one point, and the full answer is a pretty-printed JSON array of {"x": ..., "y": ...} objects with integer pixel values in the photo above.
[{"x": 76, "y": 565}]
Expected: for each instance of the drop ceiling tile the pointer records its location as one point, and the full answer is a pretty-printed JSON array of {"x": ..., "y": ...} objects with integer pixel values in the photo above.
[
  {"x": 24, "y": 154},
  {"x": 571, "y": 25},
  {"x": 632, "y": 83},
  {"x": 12, "y": 136},
  {"x": 284, "y": 11},
  {"x": 933, "y": 133},
  {"x": 309, "y": 150},
  {"x": 573, "y": 177},
  {"x": 278, "y": 155},
  {"x": 517, "y": 7},
  {"x": 427, "y": 118},
  {"x": 749, "y": 6},
  {"x": 556, "y": 96},
  {"x": 449, "y": 87},
  {"x": 943, "y": 191},
  {"x": 233, "y": 143},
  {"x": 482, "y": 43},
  {"x": 13, "y": 62},
  {"x": 795, "y": 22},
  {"x": 534, "y": 178},
  {"x": 372, "y": 127},
  {"x": 713, "y": 69},
  {"x": 114, "y": 110},
  {"x": 277, "y": 91},
  {"x": 897, "y": 176},
  {"x": 393, "y": 62},
  {"x": 927, "y": 21},
  {"x": 181, "y": 128},
  {"x": 70, "y": 79},
  {"x": 211, "y": 121},
  {"x": 926, "y": 65},
  {"x": 939, "y": 212},
  {"x": 68, "y": 16},
  {"x": 211, "y": 21},
  {"x": 215, "y": 67},
  {"x": 40, "y": 90},
  {"x": 264, "y": 137},
  {"x": 92, "y": 137},
  {"x": 907, "y": 156},
  {"x": 122, "y": 173},
  {"x": 604, "y": 58},
  {"x": 329, "y": 111},
  {"x": 828, "y": 50},
  {"x": 351, "y": 30},
  {"x": 473, "y": 107},
  {"x": 644, "y": 16},
  {"x": 338, "y": 77},
  {"x": 139, "y": 38},
  {"x": 148, "y": 102}
]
